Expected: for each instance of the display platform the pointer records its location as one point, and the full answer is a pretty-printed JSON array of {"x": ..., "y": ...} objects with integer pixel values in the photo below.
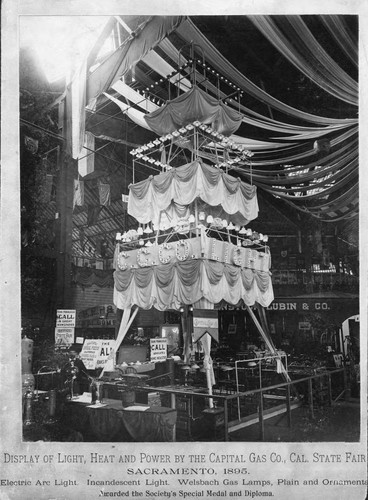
[{"x": 112, "y": 422}]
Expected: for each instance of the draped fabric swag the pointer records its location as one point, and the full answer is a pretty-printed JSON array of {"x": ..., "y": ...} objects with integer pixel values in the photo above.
[
  {"x": 171, "y": 285},
  {"x": 186, "y": 183},
  {"x": 85, "y": 276},
  {"x": 190, "y": 33},
  {"x": 150, "y": 33},
  {"x": 191, "y": 106},
  {"x": 309, "y": 57}
]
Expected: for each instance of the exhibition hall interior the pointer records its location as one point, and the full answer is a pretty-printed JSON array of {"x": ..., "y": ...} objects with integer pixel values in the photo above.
[{"x": 189, "y": 228}]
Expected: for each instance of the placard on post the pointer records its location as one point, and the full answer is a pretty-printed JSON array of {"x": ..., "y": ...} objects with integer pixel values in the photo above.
[
  {"x": 158, "y": 350},
  {"x": 65, "y": 327}
]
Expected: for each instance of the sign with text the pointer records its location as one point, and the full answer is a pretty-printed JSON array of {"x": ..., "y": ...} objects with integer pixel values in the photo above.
[
  {"x": 97, "y": 316},
  {"x": 65, "y": 317},
  {"x": 158, "y": 349},
  {"x": 105, "y": 350},
  {"x": 90, "y": 352},
  {"x": 95, "y": 352},
  {"x": 64, "y": 335}
]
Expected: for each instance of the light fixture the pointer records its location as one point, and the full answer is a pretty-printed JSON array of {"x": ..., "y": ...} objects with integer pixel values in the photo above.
[
  {"x": 237, "y": 228},
  {"x": 243, "y": 230},
  {"x": 231, "y": 226},
  {"x": 224, "y": 223},
  {"x": 191, "y": 218},
  {"x": 202, "y": 216},
  {"x": 249, "y": 232},
  {"x": 118, "y": 236},
  {"x": 209, "y": 219},
  {"x": 265, "y": 238},
  {"x": 140, "y": 230}
]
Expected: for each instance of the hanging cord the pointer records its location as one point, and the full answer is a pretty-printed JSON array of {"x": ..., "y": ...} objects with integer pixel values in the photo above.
[{"x": 93, "y": 152}]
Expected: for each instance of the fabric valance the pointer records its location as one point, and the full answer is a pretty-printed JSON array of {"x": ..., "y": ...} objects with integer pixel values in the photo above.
[
  {"x": 171, "y": 285},
  {"x": 191, "y": 106},
  {"x": 86, "y": 276},
  {"x": 184, "y": 184}
]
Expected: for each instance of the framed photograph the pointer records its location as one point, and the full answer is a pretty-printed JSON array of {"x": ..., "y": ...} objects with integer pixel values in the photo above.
[{"x": 231, "y": 329}]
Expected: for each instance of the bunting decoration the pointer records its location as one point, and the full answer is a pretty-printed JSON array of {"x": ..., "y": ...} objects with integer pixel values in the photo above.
[
  {"x": 86, "y": 160},
  {"x": 48, "y": 188},
  {"x": 31, "y": 144},
  {"x": 104, "y": 193},
  {"x": 78, "y": 193},
  {"x": 92, "y": 215}
]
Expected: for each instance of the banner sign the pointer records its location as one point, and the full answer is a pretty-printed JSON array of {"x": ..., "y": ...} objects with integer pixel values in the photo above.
[
  {"x": 64, "y": 335},
  {"x": 95, "y": 352},
  {"x": 205, "y": 321},
  {"x": 158, "y": 350},
  {"x": 310, "y": 305},
  {"x": 65, "y": 317},
  {"x": 97, "y": 316},
  {"x": 105, "y": 350}
]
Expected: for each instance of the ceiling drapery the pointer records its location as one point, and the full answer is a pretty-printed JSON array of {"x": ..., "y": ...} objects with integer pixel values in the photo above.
[
  {"x": 303, "y": 50},
  {"x": 337, "y": 28},
  {"x": 287, "y": 143},
  {"x": 189, "y": 32}
]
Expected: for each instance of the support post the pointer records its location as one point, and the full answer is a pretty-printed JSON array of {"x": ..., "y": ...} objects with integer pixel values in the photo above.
[
  {"x": 310, "y": 393},
  {"x": 329, "y": 388},
  {"x": 288, "y": 408},
  {"x": 260, "y": 413},
  {"x": 226, "y": 421},
  {"x": 68, "y": 169},
  {"x": 124, "y": 327},
  {"x": 173, "y": 405},
  {"x": 268, "y": 342}
]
